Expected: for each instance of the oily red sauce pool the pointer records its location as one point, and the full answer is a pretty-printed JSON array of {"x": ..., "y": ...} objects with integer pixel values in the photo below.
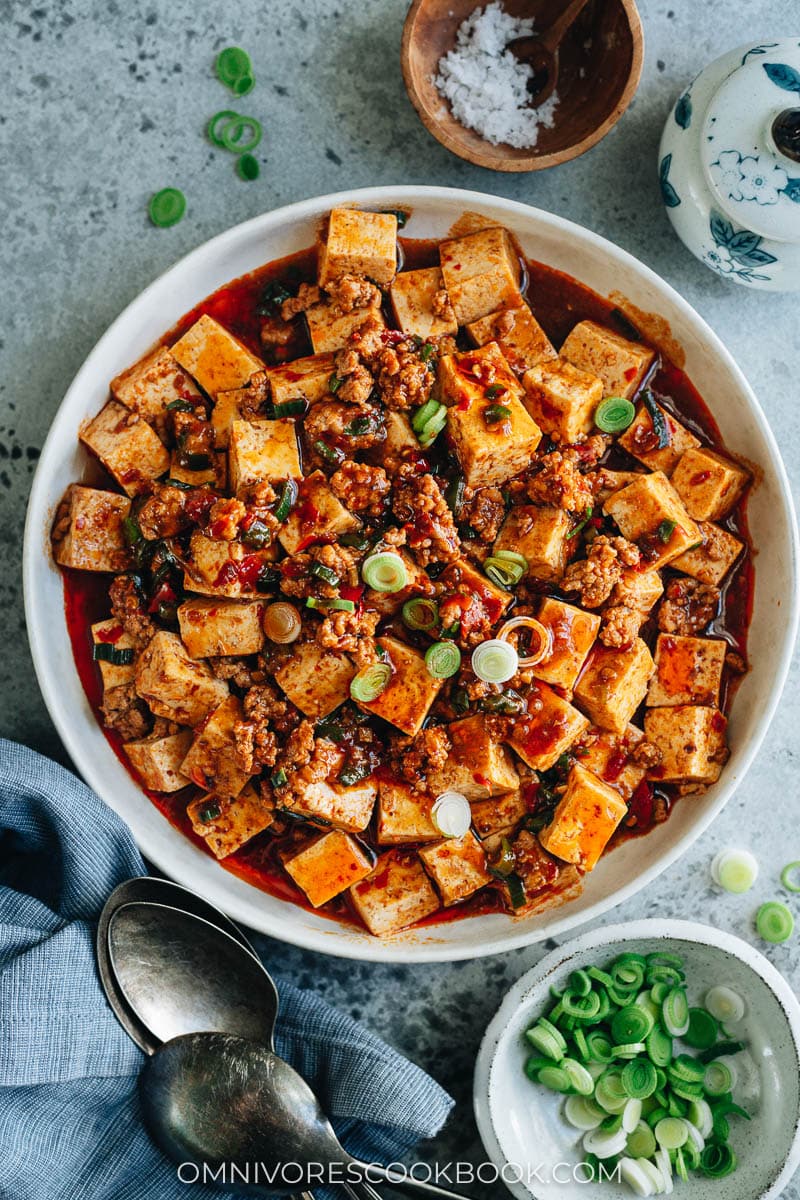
[{"x": 558, "y": 302}]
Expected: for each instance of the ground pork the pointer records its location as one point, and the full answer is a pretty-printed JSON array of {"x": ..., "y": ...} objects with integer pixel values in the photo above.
[
  {"x": 306, "y": 760},
  {"x": 351, "y": 292},
  {"x": 344, "y": 631},
  {"x": 414, "y": 758},
  {"x": 126, "y": 607},
  {"x": 441, "y": 305},
  {"x": 596, "y": 575},
  {"x": 126, "y": 713},
  {"x": 275, "y": 332},
  {"x": 163, "y": 513},
  {"x": 308, "y": 294},
  {"x": 225, "y": 517},
  {"x": 620, "y": 626},
  {"x": 430, "y": 529},
  {"x": 403, "y": 378},
  {"x": 532, "y": 862},
  {"x": 299, "y": 580},
  {"x": 238, "y": 671},
  {"x": 329, "y": 421},
  {"x": 357, "y": 381},
  {"x": 483, "y": 511},
  {"x": 361, "y": 488},
  {"x": 559, "y": 484},
  {"x": 254, "y": 396},
  {"x": 688, "y": 606},
  {"x": 645, "y": 754}
]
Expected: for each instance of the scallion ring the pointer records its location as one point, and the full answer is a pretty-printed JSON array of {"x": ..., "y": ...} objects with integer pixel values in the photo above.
[
  {"x": 787, "y": 877},
  {"x": 451, "y": 814},
  {"x": 384, "y": 572},
  {"x": 213, "y": 130},
  {"x": 774, "y": 922},
  {"x": 540, "y": 636},
  {"x": 334, "y": 603},
  {"x": 370, "y": 682},
  {"x": 504, "y": 573},
  {"x": 420, "y": 613},
  {"x": 443, "y": 660},
  {"x": 166, "y": 207},
  {"x": 281, "y": 623},
  {"x": 735, "y": 870},
  {"x": 232, "y": 64},
  {"x": 233, "y": 134},
  {"x": 247, "y": 167},
  {"x": 495, "y": 661},
  {"x": 614, "y": 414},
  {"x": 675, "y": 1012},
  {"x": 244, "y": 85}
]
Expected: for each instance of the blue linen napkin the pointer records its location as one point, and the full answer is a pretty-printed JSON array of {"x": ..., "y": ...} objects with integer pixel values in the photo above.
[{"x": 70, "y": 1126}]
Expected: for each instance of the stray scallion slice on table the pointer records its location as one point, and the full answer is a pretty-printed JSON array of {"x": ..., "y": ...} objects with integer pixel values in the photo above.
[
  {"x": 217, "y": 124},
  {"x": 233, "y": 64},
  {"x": 774, "y": 922},
  {"x": 790, "y": 877},
  {"x": 735, "y": 870},
  {"x": 166, "y": 207},
  {"x": 240, "y": 134},
  {"x": 614, "y": 414},
  {"x": 247, "y": 167}
]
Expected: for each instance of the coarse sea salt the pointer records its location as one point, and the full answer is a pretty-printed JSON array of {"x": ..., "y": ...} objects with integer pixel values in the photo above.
[{"x": 487, "y": 86}]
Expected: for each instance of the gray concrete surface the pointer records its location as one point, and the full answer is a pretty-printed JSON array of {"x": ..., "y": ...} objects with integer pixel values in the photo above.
[{"x": 104, "y": 102}]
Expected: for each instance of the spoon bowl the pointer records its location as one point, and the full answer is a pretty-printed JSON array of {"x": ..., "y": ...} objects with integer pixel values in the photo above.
[{"x": 599, "y": 66}]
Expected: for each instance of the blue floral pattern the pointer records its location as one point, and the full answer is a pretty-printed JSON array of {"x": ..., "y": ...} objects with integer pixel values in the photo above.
[
  {"x": 683, "y": 111},
  {"x": 755, "y": 50},
  {"x": 747, "y": 177},
  {"x": 668, "y": 193},
  {"x": 736, "y": 252},
  {"x": 784, "y": 76}
]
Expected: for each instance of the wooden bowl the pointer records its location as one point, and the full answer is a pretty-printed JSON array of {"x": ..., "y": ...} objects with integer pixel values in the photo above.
[{"x": 600, "y": 62}]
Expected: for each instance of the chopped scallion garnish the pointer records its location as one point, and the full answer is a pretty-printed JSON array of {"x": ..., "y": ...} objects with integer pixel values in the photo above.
[
  {"x": 614, "y": 414},
  {"x": 166, "y": 207},
  {"x": 443, "y": 659},
  {"x": 370, "y": 682}
]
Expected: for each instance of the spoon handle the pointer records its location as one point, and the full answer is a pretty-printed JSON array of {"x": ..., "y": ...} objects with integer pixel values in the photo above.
[
  {"x": 362, "y": 1191},
  {"x": 405, "y": 1182}
]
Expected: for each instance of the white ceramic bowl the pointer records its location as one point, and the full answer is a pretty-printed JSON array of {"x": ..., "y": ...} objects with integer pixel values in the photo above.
[
  {"x": 551, "y": 240},
  {"x": 521, "y": 1125}
]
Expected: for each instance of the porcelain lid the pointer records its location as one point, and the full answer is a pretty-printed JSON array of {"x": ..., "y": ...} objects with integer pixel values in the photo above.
[{"x": 751, "y": 142}]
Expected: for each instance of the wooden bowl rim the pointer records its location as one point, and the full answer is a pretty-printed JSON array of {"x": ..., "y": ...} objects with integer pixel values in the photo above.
[{"x": 533, "y": 161}]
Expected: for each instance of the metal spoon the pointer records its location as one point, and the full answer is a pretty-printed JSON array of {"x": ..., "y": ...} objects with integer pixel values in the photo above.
[
  {"x": 161, "y": 891},
  {"x": 210, "y": 1098},
  {"x": 540, "y": 51}
]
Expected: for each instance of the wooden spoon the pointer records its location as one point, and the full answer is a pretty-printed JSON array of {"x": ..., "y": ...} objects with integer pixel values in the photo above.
[{"x": 540, "y": 51}]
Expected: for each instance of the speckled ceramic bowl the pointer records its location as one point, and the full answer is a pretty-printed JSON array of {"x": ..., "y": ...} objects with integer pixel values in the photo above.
[
  {"x": 521, "y": 1125},
  {"x": 600, "y": 265}
]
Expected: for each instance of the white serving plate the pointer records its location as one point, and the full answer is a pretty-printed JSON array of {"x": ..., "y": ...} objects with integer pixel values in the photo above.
[
  {"x": 552, "y": 240},
  {"x": 520, "y": 1122}
]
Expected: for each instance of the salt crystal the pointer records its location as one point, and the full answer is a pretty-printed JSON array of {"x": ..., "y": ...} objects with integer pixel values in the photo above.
[{"x": 487, "y": 85}]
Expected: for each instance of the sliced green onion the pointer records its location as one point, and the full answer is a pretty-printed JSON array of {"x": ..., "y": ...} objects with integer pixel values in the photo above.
[
  {"x": 631, "y": 1114},
  {"x": 582, "y": 1113},
  {"x": 231, "y": 64},
  {"x": 384, "y": 572},
  {"x": 614, "y": 414},
  {"x": 247, "y": 167},
  {"x": 334, "y": 603},
  {"x": 654, "y": 1176},
  {"x": 686, "y": 1069},
  {"x": 639, "y": 1078},
  {"x": 580, "y": 982},
  {"x": 629, "y": 1049},
  {"x": 331, "y": 454},
  {"x": 718, "y": 1079},
  {"x": 579, "y": 1078},
  {"x": 324, "y": 573},
  {"x": 286, "y": 501},
  {"x": 774, "y": 922},
  {"x": 641, "y": 1143},
  {"x": 555, "y": 1079},
  {"x": 787, "y": 877},
  {"x": 735, "y": 870},
  {"x": 443, "y": 659},
  {"x": 703, "y": 1029},
  {"x": 605, "y": 1143},
  {"x": 660, "y": 426},
  {"x": 700, "y": 1116},
  {"x": 423, "y": 414},
  {"x": 534, "y": 1064},
  {"x": 420, "y": 613},
  {"x": 288, "y": 408},
  {"x": 545, "y": 1042},
  {"x": 631, "y": 1024},
  {"x": 116, "y": 655},
  {"x": 671, "y": 1133},
  {"x": 675, "y": 1012},
  {"x": 356, "y": 540},
  {"x": 451, "y": 814},
  {"x": 237, "y": 129},
  {"x": 600, "y": 1046},
  {"x": 244, "y": 85},
  {"x": 717, "y": 1160},
  {"x": 665, "y": 530},
  {"x": 495, "y": 391},
  {"x": 585, "y": 1008},
  {"x": 209, "y": 813},
  {"x": 587, "y": 516},
  {"x": 637, "y": 1179},
  {"x": 725, "y": 1004},
  {"x": 278, "y": 778},
  {"x": 213, "y": 130},
  {"x": 495, "y": 661},
  {"x": 433, "y": 427},
  {"x": 610, "y": 1093},
  {"x": 599, "y": 976},
  {"x": 496, "y": 413},
  {"x": 166, "y": 207},
  {"x": 505, "y": 568},
  {"x": 370, "y": 682},
  {"x": 180, "y": 406}
]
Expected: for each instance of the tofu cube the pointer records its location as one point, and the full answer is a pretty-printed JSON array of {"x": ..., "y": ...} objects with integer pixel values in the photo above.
[
  {"x": 613, "y": 684},
  {"x": 396, "y": 894},
  {"x": 151, "y": 384},
  {"x": 481, "y": 273},
  {"x": 584, "y": 820},
  {"x": 641, "y": 440},
  {"x": 477, "y": 765},
  {"x": 708, "y": 483},
  {"x": 562, "y": 399},
  {"x": 330, "y": 329},
  {"x": 88, "y": 533},
  {"x": 609, "y": 482},
  {"x": 650, "y": 513},
  {"x": 540, "y": 535},
  {"x": 403, "y": 815},
  {"x": 549, "y": 728},
  {"x": 111, "y": 633},
  {"x": 400, "y": 437},
  {"x": 479, "y": 599},
  {"x": 638, "y": 590},
  {"x": 413, "y": 295},
  {"x": 262, "y": 450},
  {"x": 489, "y": 454},
  {"x": 518, "y": 334},
  {"x": 303, "y": 379},
  {"x": 328, "y": 866},
  {"x": 457, "y": 867},
  {"x": 691, "y": 739},
  {"x": 620, "y": 364},
  {"x": 711, "y": 561},
  {"x": 211, "y": 762},
  {"x": 216, "y": 360},
  {"x": 497, "y": 817},
  {"x": 609, "y": 756},
  {"x": 175, "y": 686},
  {"x": 220, "y": 627},
  {"x": 358, "y": 243},
  {"x": 411, "y": 691},
  {"x": 227, "y": 823},
  {"x": 688, "y": 671},
  {"x": 572, "y": 635},
  {"x": 316, "y": 681},
  {"x": 217, "y": 568},
  {"x": 127, "y": 446},
  {"x": 547, "y": 882},
  {"x": 389, "y": 603},
  {"x": 216, "y": 474},
  {"x": 348, "y": 808},
  {"x": 157, "y": 761},
  {"x": 231, "y": 405},
  {"x": 316, "y": 514}
]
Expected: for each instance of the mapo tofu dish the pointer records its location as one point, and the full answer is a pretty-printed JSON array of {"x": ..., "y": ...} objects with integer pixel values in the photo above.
[{"x": 409, "y": 577}]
